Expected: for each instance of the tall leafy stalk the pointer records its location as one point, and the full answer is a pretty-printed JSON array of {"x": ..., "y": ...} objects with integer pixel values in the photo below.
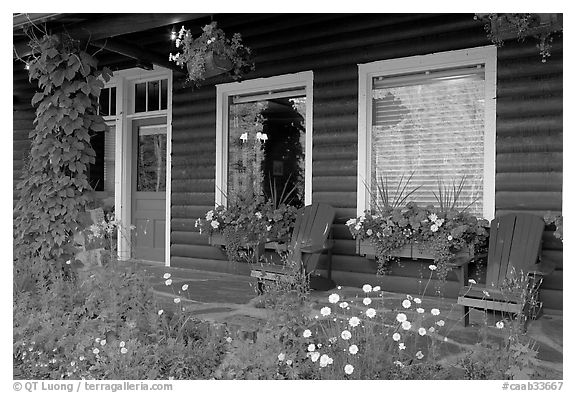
[
  {"x": 391, "y": 199},
  {"x": 53, "y": 189},
  {"x": 448, "y": 198}
]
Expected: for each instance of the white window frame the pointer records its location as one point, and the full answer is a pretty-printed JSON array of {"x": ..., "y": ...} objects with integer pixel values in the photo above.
[
  {"x": 226, "y": 90},
  {"x": 481, "y": 55}
]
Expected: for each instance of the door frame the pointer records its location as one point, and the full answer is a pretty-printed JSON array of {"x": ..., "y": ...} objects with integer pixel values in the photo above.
[{"x": 125, "y": 80}]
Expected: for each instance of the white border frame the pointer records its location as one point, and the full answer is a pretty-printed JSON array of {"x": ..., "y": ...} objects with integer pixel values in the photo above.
[
  {"x": 124, "y": 80},
  {"x": 481, "y": 55},
  {"x": 224, "y": 91}
]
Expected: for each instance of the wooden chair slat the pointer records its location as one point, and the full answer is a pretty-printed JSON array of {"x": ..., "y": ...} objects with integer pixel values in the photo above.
[
  {"x": 514, "y": 245},
  {"x": 311, "y": 228}
]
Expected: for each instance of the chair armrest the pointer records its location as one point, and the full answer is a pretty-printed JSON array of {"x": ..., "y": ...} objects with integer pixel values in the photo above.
[
  {"x": 278, "y": 240},
  {"x": 463, "y": 260},
  {"x": 542, "y": 268},
  {"x": 315, "y": 248}
]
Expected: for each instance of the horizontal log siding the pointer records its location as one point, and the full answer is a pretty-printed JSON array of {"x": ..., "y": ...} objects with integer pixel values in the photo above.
[
  {"x": 23, "y": 115},
  {"x": 529, "y": 120}
]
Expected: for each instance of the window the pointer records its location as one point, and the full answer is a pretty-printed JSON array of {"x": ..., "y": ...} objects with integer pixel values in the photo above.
[
  {"x": 431, "y": 118},
  {"x": 107, "y": 102},
  {"x": 151, "y": 159},
  {"x": 151, "y": 96},
  {"x": 264, "y": 138},
  {"x": 101, "y": 173}
]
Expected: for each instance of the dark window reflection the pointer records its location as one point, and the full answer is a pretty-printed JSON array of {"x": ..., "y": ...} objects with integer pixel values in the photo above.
[
  {"x": 267, "y": 142},
  {"x": 164, "y": 94},
  {"x": 153, "y": 95},
  {"x": 140, "y": 97},
  {"x": 151, "y": 164}
]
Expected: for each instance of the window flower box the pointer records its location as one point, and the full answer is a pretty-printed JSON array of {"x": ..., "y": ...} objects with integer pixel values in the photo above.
[
  {"x": 409, "y": 251},
  {"x": 416, "y": 232}
]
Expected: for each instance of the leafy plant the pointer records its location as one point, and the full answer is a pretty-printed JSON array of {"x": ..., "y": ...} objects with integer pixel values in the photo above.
[
  {"x": 193, "y": 52},
  {"x": 53, "y": 189},
  {"x": 249, "y": 221},
  {"x": 109, "y": 326},
  {"x": 449, "y": 198},
  {"x": 391, "y": 200},
  {"x": 442, "y": 233}
]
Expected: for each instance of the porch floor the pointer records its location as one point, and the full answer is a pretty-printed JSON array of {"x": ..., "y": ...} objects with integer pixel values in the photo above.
[{"x": 232, "y": 299}]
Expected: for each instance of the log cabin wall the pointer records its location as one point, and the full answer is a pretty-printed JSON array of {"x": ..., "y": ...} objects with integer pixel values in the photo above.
[{"x": 529, "y": 125}]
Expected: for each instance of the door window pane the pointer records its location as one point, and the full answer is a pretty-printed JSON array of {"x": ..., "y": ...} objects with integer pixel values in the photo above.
[{"x": 151, "y": 164}]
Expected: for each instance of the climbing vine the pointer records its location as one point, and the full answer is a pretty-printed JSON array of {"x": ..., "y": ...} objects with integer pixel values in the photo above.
[{"x": 54, "y": 187}]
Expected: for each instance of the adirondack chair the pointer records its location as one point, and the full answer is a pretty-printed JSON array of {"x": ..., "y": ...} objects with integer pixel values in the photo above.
[
  {"x": 514, "y": 251},
  {"x": 310, "y": 238}
]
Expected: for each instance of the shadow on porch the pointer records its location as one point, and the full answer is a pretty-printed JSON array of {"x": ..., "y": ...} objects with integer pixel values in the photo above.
[{"x": 231, "y": 299}]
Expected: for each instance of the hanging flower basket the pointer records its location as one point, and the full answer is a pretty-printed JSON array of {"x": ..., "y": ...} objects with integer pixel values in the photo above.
[
  {"x": 211, "y": 54},
  {"x": 213, "y": 65}
]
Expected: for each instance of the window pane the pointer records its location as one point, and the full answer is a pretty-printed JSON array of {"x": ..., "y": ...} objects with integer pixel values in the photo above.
[
  {"x": 164, "y": 94},
  {"x": 266, "y": 148},
  {"x": 96, "y": 170},
  {"x": 140, "y": 97},
  {"x": 113, "y": 101},
  {"x": 109, "y": 156},
  {"x": 432, "y": 127},
  {"x": 104, "y": 102},
  {"x": 151, "y": 164},
  {"x": 153, "y": 95}
]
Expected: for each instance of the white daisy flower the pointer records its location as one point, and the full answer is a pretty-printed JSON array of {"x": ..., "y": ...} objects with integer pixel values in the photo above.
[
  {"x": 406, "y": 325},
  {"x": 343, "y": 305},
  {"x": 396, "y": 337},
  {"x": 167, "y": 275},
  {"x": 306, "y": 333},
  {"x": 367, "y": 301},
  {"x": 334, "y": 298},
  {"x": 353, "y": 349},
  {"x": 346, "y": 335},
  {"x": 435, "y": 311},
  {"x": 401, "y": 317},
  {"x": 325, "y": 311},
  {"x": 281, "y": 357},
  {"x": 500, "y": 324},
  {"x": 311, "y": 348},
  {"x": 367, "y": 288},
  {"x": 419, "y": 355},
  {"x": 354, "y": 321},
  {"x": 348, "y": 369},
  {"x": 406, "y": 303},
  {"x": 401, "y": 346},
  {"x": 420, "y": 310},
  {"x": 370, "y": 313},
  {"x": 422, "y": 331}
]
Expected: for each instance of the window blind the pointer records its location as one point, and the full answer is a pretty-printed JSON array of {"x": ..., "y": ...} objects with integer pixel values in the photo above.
[
  {"x": 109, "y": 152},
  {"x": 429, "y": 125}
]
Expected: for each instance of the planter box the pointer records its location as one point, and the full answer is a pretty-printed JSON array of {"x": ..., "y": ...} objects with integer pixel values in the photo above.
[
  {"x": 409, "y": 251},
  {"x": 217, "y": 240}
]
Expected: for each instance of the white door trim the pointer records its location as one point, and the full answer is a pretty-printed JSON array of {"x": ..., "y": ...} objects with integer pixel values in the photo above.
[{"x": 124, "y": 81}]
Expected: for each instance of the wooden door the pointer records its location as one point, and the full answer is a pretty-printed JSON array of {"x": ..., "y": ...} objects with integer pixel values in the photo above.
[{"x": 149, "y": 188}]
